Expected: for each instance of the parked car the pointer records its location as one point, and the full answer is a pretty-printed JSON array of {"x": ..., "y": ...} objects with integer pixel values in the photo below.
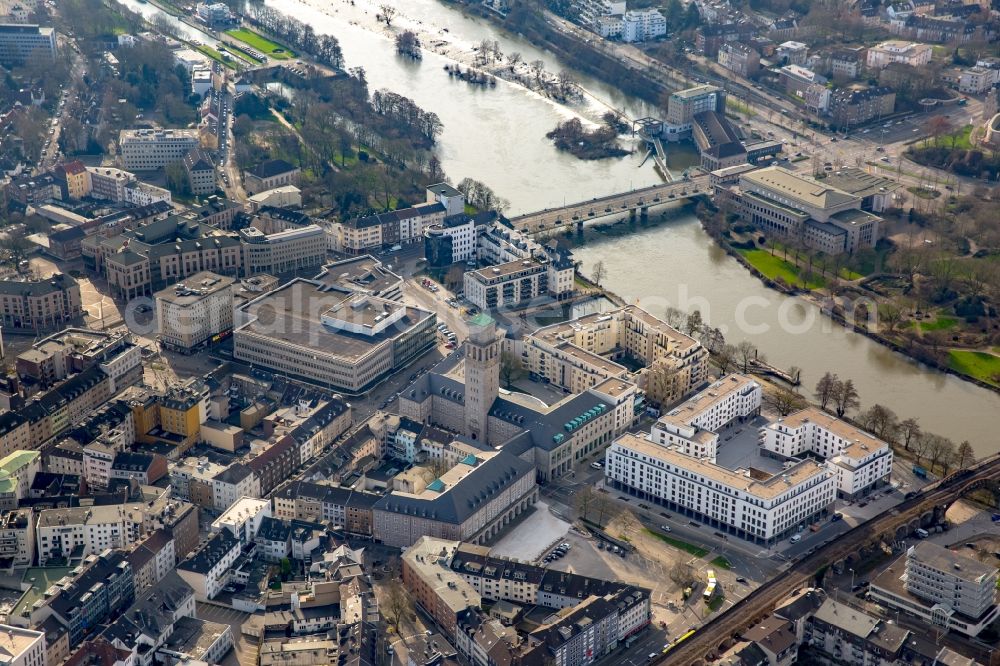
[
  {"x": 665, "y": 528},
  {"x": 795, "y": 538}
]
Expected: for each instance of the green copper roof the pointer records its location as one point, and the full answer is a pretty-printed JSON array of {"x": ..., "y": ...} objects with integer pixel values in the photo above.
[
  {"x": 481, "y": 319},
  {"x": 18, "y": 459}
]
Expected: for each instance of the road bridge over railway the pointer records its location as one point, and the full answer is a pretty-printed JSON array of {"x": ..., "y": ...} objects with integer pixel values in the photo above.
[
  {"x": 633, "y": 203},
  {"x": 929, "y": 506}
]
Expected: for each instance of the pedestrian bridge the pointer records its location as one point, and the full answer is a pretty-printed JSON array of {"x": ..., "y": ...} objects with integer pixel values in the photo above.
[{"x": 628, "y": 202}]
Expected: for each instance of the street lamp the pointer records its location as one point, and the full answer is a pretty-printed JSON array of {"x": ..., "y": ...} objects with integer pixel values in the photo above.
[{"x": 852, "y": 579}]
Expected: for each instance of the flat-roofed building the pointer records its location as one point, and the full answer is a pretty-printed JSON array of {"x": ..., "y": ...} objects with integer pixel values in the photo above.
[
  {"x": 583, "y": 352},
  {"x": 21, "y": 43},
  {"x": 692, "y": 426},
  {"x": 750, "y": 504},
  {"x": 146, "y": 149},
  {"x": 427, "y": 575},
  {"x": 780, "y": 201},
  {"x": 861, "y": 461},
  {"x": 82, "y": 531},
  {"x": 908, "y": 53},
  {"x": 195, "y": 312},
  {"x": 516, "y": 283},
  {"x": 22, "y": 647},
  {"x": 684, "y": 104},
  {"x": 941, "y": 587},
  {"x": 291, "y": 249},
  {"x": 340, "y": 339}
]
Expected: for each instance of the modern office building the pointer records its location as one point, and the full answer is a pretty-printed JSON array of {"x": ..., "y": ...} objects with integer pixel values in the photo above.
[
  {"x": 195, "y": 312},
  {"x": 861, "y": 461},
  {"x": 684, "y": 104},
  {"x": 290, "y": 249},
  {"x": 147, "y": 149},
  {"x": 941, "y": 587},
  {"x": 779, "y": 201},
  {"x": 21, "y": 42},
  {"x": 337, "y": 338}
]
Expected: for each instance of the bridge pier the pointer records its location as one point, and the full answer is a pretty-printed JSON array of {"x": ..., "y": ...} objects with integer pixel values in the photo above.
[
  {"x": 644, "y": 213},
  {"x": 631, "y": 215},
  {"x": 579, "y": 227}
]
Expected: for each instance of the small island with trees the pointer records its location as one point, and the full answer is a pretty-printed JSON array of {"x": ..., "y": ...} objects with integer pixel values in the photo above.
[{"x": 589, "y": 144}]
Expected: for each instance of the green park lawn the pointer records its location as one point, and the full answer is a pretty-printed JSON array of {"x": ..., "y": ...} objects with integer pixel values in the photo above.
[
  {"x": 261, "y": 43},
  {"x": 981, "y": 365},
  {"x": 722, "y": 563},
  {"x": 697, "y": 551},
  {"x": 775, "y": 267},
  {"x": 939, "y": 324}
]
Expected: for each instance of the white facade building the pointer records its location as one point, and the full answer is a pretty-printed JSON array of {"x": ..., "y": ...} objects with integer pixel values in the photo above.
[
  {"x": 94, "y": 528},
  {"x": 97, "y": 461},
  {"x": 243, "y": 518},
  {"x": 641, "y": 25},
  {"x": 759, "y": 510},
  {"x": 145, "y": 149},
  {"x": 206, "y": 570},
  {"x": 692, "y": 426},
  {"x": 22, "y": 647},
  {"x": 861, "y": 461},
  {"x": 908, "y": 53}
]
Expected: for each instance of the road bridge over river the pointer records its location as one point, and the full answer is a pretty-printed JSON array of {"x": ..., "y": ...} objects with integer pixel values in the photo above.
[
  {"x": 636, "y": 201},
  {"x": 929, "y": 506}
]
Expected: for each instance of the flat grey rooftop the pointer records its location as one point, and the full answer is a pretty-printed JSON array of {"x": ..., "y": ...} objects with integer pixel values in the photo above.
[{"x": 742, "y": 448}]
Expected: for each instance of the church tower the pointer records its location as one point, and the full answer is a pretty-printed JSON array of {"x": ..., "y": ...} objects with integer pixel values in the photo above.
[{"x": 482, "y": 374}]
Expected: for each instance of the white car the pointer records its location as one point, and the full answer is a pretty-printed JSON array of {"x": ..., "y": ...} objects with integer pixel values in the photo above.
[{"x": 795, "y": 538}]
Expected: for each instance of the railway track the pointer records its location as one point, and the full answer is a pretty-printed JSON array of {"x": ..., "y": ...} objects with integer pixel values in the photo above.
[{"x": 706, "y": 641}]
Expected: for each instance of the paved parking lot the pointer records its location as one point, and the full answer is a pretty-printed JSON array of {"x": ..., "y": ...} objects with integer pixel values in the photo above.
[{"x": 244, "y": 652}]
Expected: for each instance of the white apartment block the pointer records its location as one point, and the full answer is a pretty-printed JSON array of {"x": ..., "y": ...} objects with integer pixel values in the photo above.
[
  {"x": 196, "y": 311},
  {"x": 518, "y": 282},
  {"x": 692, "y": 426},
  {"x": 592, "y": 10},
  {"x": 861, "y": 461},
  {"x": 761, "y": 510},
  {"x": 94, "y": 528},
  {"x": 143, "y": 194},
  {"x": 243, "y": 518},
  {"x": 109, "y": 183},
  {"x": 22, "y": 647},
  {"x": 643, "y": 24},
  {"x": 908, "y": 53},
  {"x": 146, "y": 149}
]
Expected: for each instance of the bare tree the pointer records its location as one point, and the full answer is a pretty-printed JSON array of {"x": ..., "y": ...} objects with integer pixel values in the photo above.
[
  {"x": 909, "y": 430},
  {"x": 537, "y": 67},
  {"x": 881, "y": 421},
  {"x": 890, "y": 315},
  {"x": 725, "y": 358},
  {"x": 511, "y": 368},
  {"x": 746, "y": 352},
  {"x": 845, "y": 397},
  {"x": 694, "y": 323},
  {"x": 939, "y": 450},
  {"x": 585, "y": 500},
  {"x": 784, "y": 401},
  {"x": 601, "y": 506},
  {"x": 398, "y": 604},
  {"x": 514, "y": 59},
  {"x": 825, "y": 389},
  {"x": 965, "y": 456},
  {"x": 682, "y": 574},
  {"x": 675, "y": 317},
  {"x": 599, "y": 273},
  {"x": 627, "y": 521},
  {"x": 386, "y": 13}
]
